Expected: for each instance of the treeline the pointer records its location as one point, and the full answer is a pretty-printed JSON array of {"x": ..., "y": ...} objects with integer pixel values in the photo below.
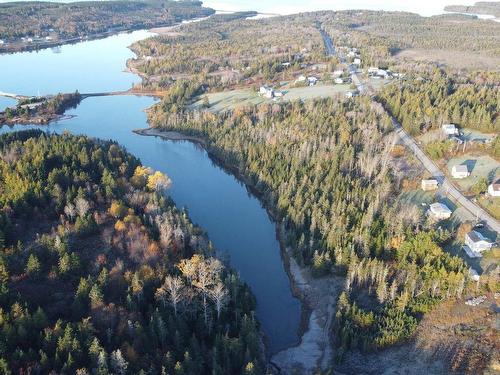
[
  {"x": 480, "y": 7},
  {"x": 40, "y": 109},
  {"x": 324, "y": 167},
  {"x": 422, "y": 103},
  {"x": 100, "y": 273},
  {"x": 69, "y": 20},
  {"x": 379, "y": 35}
]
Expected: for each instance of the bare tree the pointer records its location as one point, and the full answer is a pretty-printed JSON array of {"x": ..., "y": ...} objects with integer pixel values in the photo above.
[
  {"x": 70, "y": 211},
  {"x": 219, "y": 295},
  {"x": 174, "y": 286},
  {"x": 82, "y": 206}
]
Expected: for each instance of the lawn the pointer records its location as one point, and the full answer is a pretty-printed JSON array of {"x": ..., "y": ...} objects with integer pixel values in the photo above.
[
  {"x": 229, "y": 100},
  {"x": 480, "y": 166},
  {"x": 490, "y": 204}
]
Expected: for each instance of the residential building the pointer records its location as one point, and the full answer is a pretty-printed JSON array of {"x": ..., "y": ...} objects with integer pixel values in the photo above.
[
  {"x": 351, "y": 94},
  {"x": 428, "y": 185},
  {"x": 312, "y": 80},
  {"x": 450, "y": 129},
  {"x": 476, "y": 243},
  {"x": 338, "y": 80},
  {"x": 439, "y": 211},
  {"x": 460, "y": 171},
  {"x": 356, "y": 61},
  {"x": 494, "y": 189},
  {"x": 266, "y": 92},
  {"x": 337, "y": 73}
]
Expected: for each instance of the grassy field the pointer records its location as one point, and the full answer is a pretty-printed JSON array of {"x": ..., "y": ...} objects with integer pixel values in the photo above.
[
  {"x": 480, "y": 166},
  {"x": 229, "y": 100},
  {"x": 492, "y": 205}
]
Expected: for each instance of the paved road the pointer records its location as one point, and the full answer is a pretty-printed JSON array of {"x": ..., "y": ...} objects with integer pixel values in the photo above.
[
  {"x": 451, "y": 190},
  {"x": 410, "y": 143}
]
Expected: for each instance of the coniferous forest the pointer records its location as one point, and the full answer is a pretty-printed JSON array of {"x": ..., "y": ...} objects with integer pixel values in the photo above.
[{"x": 100, "y": 272}]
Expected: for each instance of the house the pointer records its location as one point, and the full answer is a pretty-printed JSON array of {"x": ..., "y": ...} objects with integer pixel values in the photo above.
[
  {"x": 372, "y": 70},
  {"x": 338, "y": 80},
  {"x": 450, "y": 129},
  {"x": 460, "y": 171},
  {"x": 439, "y": 211},
  {"x": 1, "y": 42},
  {"x": 278, "y": 94},
  {"x": 351, "y": 94},
  {"x": 267, "y": 92},
  {"x": 312, "y": 80},
  {"x": 48, "y": 38},
  {"x": 428, "y": 185},
  {"x": 494, "y": 189},
  {"x": 285, "y": 65},
  {"x": 337, "y": 73},
  {"x": 476, "y": 243},
  {"x": 357, "y": 61}
]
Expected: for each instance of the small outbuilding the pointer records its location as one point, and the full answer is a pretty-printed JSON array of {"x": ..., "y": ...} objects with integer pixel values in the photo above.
[{"x": 430, "y": 184}]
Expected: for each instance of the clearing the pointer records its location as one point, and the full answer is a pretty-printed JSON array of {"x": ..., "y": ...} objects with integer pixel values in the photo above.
[
  {"x": 229, "y": 100},
  {"x": 480, "y": 166}
]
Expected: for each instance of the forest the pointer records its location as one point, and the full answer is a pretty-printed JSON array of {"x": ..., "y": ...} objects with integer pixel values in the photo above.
[
  {"x": 421, "y": 103},
  {"x": 325, "y": 169},
  {"x": 225, "y": 50},
  {"x": 85, "y": 18},
  {"x": 100, "y": 273}
]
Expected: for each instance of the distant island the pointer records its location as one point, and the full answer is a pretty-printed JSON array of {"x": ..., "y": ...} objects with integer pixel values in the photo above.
[
  {"x": 481, "y": 7},
  {"x": 35, "y": 25}
]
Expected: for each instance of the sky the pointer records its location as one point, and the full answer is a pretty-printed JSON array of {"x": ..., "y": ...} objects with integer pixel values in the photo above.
[{"x": 422, "y": 7}]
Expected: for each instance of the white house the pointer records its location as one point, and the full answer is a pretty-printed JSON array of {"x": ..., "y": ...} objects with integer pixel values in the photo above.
[
  {"x": 494, "y": 189},
  {"x": 372, "y": 70},
  {"x": 337, "y": 73},
  {"x": 450, "y": 129},
  {"x": 266, "y": 92},
  {"x": 312, "y": 80},
  {"x": 278, "y": 94},
  {"x": 1, "y": 42},
  {"x": 476, "y": 243},
  {"x": 439, "y": 211},
  {"x": 351, "y": 94},
  {"x": 338, "y": 80},
  {"x": 460, "y": 171},
  {"x": 430, "y": 184},
  {"x": 357, "y": 61}
]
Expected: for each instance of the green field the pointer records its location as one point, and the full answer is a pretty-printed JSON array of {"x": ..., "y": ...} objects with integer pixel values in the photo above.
[
  {"x": 480, "y": 166},
  {"x": 229, "y": 100}
]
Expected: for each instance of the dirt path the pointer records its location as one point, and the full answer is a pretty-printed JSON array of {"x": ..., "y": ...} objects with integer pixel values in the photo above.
[{"x": 320, "y": 294}]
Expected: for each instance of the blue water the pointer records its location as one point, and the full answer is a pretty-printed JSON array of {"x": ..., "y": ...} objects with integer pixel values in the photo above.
[
  {"x": 6, "y": 102},
  {"x": 235, "y": 220},
  {"x": 93, "y": 66}
]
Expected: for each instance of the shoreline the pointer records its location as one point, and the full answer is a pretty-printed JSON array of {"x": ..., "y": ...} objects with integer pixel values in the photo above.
[{"x": 310, "y": 333}]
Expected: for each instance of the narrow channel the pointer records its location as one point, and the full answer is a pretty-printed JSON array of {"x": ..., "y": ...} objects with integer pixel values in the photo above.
[{"x": 235, "y": 221}]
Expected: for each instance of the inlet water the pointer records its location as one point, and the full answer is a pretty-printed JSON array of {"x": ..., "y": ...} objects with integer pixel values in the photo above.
[{"x": 235, "y": 221}]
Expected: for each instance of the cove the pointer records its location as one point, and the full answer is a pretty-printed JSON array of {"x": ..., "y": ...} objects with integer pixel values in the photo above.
[{"x": 235, "y": 220}]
